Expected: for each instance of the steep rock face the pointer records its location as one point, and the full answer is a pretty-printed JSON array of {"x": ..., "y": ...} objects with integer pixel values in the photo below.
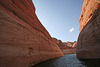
[
  {"x": 23, "y": 40},
  {"x": 66, "y": 47},
  {"x": 70, "y": 47},
  {"x": 70, "y": 44},
  {"x": 88, "y": 9},
  {"x": 59, "y": 43},
  {"x": 74, "y": 44},
  {"x": 88, "y": 45}
]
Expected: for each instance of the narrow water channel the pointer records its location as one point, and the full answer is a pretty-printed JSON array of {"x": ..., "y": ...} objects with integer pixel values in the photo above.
[{"x": 69, "y": 61}]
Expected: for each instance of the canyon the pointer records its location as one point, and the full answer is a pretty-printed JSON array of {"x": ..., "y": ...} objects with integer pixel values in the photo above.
[{"x": 25, "y": 42}]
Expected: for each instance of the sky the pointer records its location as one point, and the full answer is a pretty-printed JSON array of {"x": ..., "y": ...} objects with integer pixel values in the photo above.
[{"x": 60, "y": 17}]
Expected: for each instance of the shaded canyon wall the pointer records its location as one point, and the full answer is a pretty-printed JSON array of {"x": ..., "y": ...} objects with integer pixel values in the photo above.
[
  {"x": 88, "y": 45},
  {"x": 23, "y": 39}
]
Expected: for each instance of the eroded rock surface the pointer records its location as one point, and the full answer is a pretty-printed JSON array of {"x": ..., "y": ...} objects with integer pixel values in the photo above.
[
  {"x": 70, "y": 44},
  {"x": 88, "y": 9},
  {"x": 24, "y": 41},
  {"x": 88, "y": 45},
  {"x": 66, "y": 47},
  {"x": 59, "y": 43}
]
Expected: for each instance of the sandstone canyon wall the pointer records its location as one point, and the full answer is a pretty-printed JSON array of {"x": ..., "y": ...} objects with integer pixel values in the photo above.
[
  {"x": 88, "y": 46},
  {"x": 59, "y": 43},
  {"x": 69, "y": 48},
  {"x": 23, "y": 40},
  {"x": 66, "y": 47}
]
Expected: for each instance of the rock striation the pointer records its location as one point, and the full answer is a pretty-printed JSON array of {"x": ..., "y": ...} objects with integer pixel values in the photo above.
[
  {"x": 59, "y": 43},
  {"x": 66, "y": 47},
  {"x": 70, "y": 47},
  {"x": 24, "y": 41},
  {"x": 70, "y": 44},
  {"x": 88, "y": 9},
  {"x": 88, "y": 45}
]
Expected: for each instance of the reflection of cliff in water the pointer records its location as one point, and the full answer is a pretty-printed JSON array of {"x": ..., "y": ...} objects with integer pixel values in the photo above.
[{"x": 69, "y": 61}]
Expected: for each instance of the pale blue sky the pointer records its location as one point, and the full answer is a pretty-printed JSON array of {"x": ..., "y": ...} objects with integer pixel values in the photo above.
[{"x": 60, "y": 17}]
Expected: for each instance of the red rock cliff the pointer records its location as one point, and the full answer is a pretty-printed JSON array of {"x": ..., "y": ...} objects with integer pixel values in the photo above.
[
  {"x": 59, "y": 43},
  {"x": 66, "y": 47},
  {"x": 88, "y": 9},
  {"x": 23, "y": 39},
  {"x": 88, "y": 45}
]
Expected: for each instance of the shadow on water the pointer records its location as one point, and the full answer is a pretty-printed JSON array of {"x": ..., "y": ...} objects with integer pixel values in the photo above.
[
  {"x": 47, "y": 63},
  {"x": 91, "y": 62},
  {"x": 69, "y": 61}
]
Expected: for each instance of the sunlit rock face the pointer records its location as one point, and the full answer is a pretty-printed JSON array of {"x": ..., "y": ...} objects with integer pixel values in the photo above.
[
  {"x": 70, "y": 47},
  {"x": 74, "y": 44},
  {"x": 88, "y": 46},
  {"x": 59, "y": 43},
  {"x": 24, "y": 41},
  {"x": 66, "y": 47},
  {"x": 88, "y": 9}
]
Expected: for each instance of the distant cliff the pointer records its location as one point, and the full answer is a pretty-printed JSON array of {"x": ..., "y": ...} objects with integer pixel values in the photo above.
[
  {"x": 66, "y": 47},
  {"x": 24, "y": 41}
]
